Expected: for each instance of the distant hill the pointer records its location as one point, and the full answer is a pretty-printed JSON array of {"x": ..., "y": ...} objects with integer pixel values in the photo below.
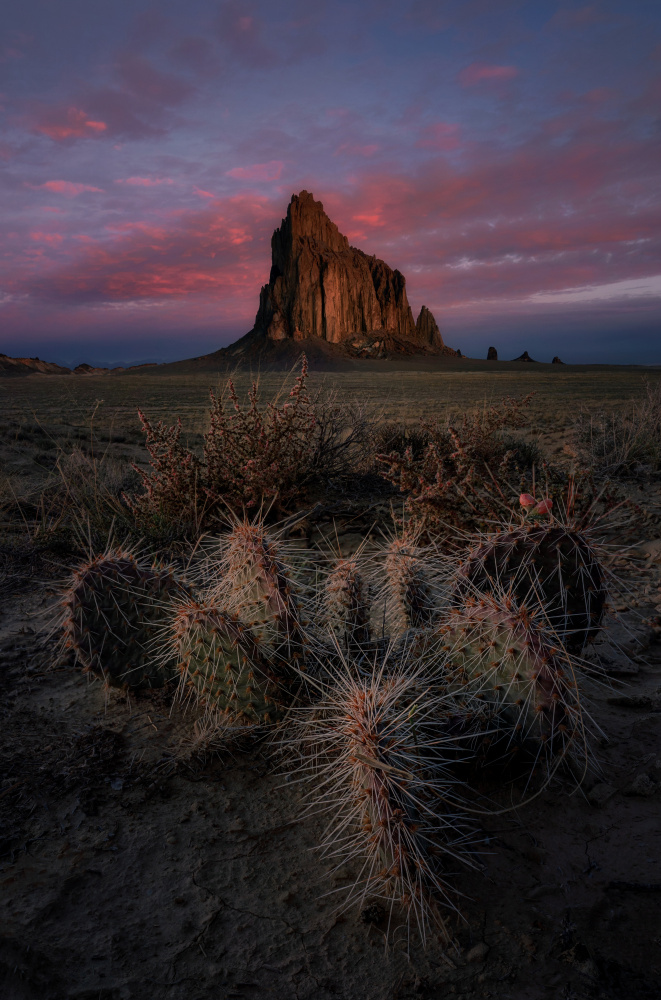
[{"x": 35, "y": 366}]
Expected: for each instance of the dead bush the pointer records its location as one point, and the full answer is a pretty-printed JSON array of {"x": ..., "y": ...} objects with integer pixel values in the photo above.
[
  {"x": 465, "y": 475},
  {"x": 624, "y": 443},
  {"x": 253, "y": 456}
]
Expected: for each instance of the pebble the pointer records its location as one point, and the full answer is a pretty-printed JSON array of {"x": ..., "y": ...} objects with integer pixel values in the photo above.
[
  {"x": 478, "y": 952},
  {"x": 642, "y": 785}
]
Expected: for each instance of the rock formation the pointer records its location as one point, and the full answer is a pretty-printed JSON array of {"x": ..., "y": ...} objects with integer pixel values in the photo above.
[
  {"x": 557, "y": 361},
  {"x": 492, "y": 354},
  {"x": 322, "y": 288},
  {"x": 525, "y": 357},
  {"x": 427, "y": 331}
]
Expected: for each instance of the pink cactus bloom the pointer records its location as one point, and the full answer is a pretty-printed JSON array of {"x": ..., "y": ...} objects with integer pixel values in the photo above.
[
  {"x": 544, "y": 506},
  {"x": 526, "y": 500}
]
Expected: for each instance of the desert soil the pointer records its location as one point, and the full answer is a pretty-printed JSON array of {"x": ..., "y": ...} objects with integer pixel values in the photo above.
[{"x": 132, "y": 866}]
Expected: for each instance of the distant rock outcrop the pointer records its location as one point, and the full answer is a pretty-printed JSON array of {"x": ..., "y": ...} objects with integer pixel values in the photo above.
[
  {"x": 322, "y": 289},
  {"x": 85, "y": 369},
  {"x": 427, "y": 331},
  {"x": 525, "y": 357},
  {"x": 492, "y": 354},
  {"x": 557, "y": 361}
]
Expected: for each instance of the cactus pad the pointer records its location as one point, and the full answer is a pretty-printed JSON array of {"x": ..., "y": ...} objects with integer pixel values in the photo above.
[
  {"x": 549, "y": 563},
  {"x": 112, "y": 609}
]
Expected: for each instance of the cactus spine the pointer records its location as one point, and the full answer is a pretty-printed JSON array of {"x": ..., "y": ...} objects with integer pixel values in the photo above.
[
  {"x": 378, "y": 757},
  {"x": 112, "y": 609},
  {"x": 347, "y": 604},
  {"x": 412, "y": 604},
  {"x": 550, "y": 563},
  {"x": 503, "y": 655},
  {"x": 223, "y": 666}
]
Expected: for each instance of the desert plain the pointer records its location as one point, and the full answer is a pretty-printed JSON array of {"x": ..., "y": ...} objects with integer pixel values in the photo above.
[{"x": 135, "y": 864}]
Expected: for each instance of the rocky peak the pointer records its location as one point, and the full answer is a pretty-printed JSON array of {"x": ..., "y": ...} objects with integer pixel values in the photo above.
[
  {"x": 307, "y": 221},
  {"x": 427, "y": 330},
  {"x": 321, "y": 287}
]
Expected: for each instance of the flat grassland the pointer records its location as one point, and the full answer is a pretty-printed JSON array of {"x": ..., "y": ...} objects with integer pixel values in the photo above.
[{"x": 53, "y": 409}]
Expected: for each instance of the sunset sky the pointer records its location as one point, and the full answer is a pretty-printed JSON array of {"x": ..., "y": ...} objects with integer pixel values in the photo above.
[{"x": 504, "y": 155}]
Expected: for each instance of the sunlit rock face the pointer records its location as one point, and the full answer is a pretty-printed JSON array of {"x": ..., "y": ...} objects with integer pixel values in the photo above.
[{"x": 320, "y": 286}]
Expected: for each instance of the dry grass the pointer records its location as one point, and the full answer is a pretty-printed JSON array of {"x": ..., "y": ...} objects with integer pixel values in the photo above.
[{"x": 68, "y": 443}]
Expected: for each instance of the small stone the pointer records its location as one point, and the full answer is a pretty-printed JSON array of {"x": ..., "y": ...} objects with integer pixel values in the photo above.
[
  {"x": 171, "y": 839},
  {"x": 478, "y": 952},
  {"x": 642, "y": 785},
  {"x": 600, "y": 794}
]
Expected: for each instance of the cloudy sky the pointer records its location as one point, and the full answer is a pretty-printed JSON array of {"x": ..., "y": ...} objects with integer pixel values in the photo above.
[{"x": 503, "y": 154}]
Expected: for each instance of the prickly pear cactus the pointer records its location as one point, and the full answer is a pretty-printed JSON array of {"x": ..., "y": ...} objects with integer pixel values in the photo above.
[
  {"x": 111, "y": 613},
  {"x": 498, "y": 651},
  {"x": 223, "y": 665},
  {"x": 257, "y": 585},
  {"x": 550, "y": 564}
]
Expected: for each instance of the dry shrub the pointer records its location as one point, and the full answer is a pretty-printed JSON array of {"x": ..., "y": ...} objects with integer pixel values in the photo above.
[
  {"x": 465, "y": 475},
  {"x": 396, "y": 436},
  {"x": 253, "y": 456},
  {"x": 625, "y": 444}
]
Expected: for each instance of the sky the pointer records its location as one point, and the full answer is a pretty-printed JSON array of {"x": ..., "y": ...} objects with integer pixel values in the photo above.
[{"x": 504, "y": 155}]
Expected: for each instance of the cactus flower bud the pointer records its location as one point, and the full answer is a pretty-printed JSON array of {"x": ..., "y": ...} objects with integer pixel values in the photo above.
[
  {"x": 544, "y": 506},
  {"x": 526, "y": 500}
]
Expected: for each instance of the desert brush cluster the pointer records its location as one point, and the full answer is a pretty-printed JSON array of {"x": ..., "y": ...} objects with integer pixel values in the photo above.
[{"x": 381, "y": 682}]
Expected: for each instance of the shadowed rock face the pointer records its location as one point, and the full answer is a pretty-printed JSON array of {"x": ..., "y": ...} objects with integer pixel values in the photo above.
[
  {"x": 320, "y": 286},
  {"x": 427, "y": 331},
  {"x": 492, "y": 354}
]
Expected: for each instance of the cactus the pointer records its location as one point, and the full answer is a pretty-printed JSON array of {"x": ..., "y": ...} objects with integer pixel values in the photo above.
[
  {"x": 258, "y": 587},
  {"x": 223, "y": 666},
  {"x": 378, "y": 758},
  {"x": 502, "y": 653},
  {"x": 111, "y": 610},
  {"x": 410, "y": 594},
  {"x": 347, "y": 605},
  {"x": 549, "y": 563}
]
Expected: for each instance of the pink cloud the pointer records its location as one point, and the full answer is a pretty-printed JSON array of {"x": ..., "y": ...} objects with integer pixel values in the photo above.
[
  {"x": 443, "y": 136},
  {"x": 53, "y": 239},
  {"x": 144, "y": 181},
  {"x": 209, "y": 253},
  {"x": 478, "y": 72},
  {"x": 60, "y": 124},
  {"x": 270, "y": 171},
  {"x": 66, "y": 187},
  {"x": 202, "y": 193}
]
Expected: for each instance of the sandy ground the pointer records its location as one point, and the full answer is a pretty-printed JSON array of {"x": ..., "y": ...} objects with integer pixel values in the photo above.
[{"x": 131, "y": 869}]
